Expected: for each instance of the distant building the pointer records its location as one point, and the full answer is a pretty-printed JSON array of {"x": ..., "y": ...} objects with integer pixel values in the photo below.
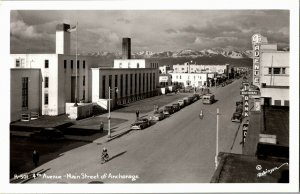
[
  {"x": 164, "y": 69},
  {"x": 191, "y": 79},
  {"x": 196, "y": 68},
  {"x": 165, "y": 80},
  {"x": 126, "y": 48}
]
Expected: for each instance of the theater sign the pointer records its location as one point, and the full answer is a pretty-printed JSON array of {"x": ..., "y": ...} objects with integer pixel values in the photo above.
[{"x": 256, "y": 42}]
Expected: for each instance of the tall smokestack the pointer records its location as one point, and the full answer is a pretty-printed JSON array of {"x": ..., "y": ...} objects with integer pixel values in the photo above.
[
  {"x": 63, "y": 39},
  {"x": 126, "y": 48}
]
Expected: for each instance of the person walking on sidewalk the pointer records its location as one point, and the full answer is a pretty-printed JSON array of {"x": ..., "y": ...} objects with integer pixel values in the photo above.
[
  {"x": 101, "y": 127},
  {"x": 35, "y": 157},
  {"x": 137, "y": 114}
]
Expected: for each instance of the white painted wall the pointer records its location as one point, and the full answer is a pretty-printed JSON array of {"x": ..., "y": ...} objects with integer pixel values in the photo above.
[
  {"x": 129, "y": 63},
  {"x": 196, "y": 79},
  {"x": 34, "y": 92}
]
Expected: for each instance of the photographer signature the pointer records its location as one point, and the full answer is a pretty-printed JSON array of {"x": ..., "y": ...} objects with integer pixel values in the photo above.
[{"x": 269, "y": 171}]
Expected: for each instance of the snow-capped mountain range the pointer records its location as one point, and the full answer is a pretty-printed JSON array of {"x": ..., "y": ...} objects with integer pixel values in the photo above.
[{"x": 230, "y": 53}]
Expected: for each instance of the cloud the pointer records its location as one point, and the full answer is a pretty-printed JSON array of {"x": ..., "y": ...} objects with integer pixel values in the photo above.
[
  {"x": 170, "y": 31},
  {"x": 123, "y": 20},
  {"x": 190, "y": 29}
]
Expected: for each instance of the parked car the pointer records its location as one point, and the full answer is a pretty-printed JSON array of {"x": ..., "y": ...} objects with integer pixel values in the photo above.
[
  {"x": 168, "y": 110},
  {"x": 140, "y": 124},
  {"x": 197, "y": 96},
  {"x": 208, "y": 99},
  {"x": 158, "y": 116},
  {"x": 237, "y": 117},
  {"x": 191, "y": 99},
  {"x": 181, "y": 103},
  {"x": 47, "y": 134},
  {"x": 176, "y": 107},
  {"x": 187, "y": 101}
]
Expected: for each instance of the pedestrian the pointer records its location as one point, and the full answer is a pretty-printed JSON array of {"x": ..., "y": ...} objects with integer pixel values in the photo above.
[
  {"x": 101, "y": 127},
  {"x": 137, "y": 114},
  {"x": 35, "y": 157}
]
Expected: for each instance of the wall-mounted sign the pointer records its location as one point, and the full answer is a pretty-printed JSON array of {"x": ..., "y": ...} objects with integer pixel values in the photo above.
[
  {"x": 256, "y": 104},
  {"x": 244, "y": 134},
  {"x": 246, "y": 105},
  {"x": 256, "y": 41}
]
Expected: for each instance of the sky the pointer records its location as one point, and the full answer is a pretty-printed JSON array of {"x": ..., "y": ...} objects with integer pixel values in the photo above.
[{"x": 33, "y": 31}]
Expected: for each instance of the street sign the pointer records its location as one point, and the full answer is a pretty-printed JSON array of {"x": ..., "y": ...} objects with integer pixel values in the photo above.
[
  {"x": 253, "y": 92},
  {"x": 244, "y": 133}
]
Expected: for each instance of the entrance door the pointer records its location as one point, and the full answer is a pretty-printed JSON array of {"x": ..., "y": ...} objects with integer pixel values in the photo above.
[{"x": 267, "y": 101}]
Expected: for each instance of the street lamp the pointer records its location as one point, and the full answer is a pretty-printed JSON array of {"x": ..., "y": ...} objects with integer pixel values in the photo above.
[
  {"x": 201, "y": 115},
  {"x": 109, "y": 90}
]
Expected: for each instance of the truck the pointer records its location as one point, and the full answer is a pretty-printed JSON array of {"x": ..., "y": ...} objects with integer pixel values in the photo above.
[{"x": 208, "y": 99}]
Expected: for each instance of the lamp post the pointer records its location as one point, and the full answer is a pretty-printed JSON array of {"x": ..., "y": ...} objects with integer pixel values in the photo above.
[
  {"x": 201, "y": 115},
  {"x": 109, "y": 90}
]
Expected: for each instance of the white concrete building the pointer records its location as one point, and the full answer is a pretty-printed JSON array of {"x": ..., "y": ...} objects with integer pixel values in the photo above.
[
  {"x": 196, "y": 68},
  {"x": 165, "y": 80},
  {"x": 164, "y": 69},
  {"x": 275, "y": 77},
  {"x": 49, "y": 80},
  {"x": 191, "y": 79},
  {"x": 270, "y": 72}
]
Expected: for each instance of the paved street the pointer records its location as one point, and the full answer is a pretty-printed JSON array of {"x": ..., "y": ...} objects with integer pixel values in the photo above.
[{"x": 180, "y": 149}]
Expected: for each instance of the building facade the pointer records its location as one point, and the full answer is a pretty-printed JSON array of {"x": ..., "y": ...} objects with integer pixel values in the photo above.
[
  {"x": 270, "y": 72},
  {"x": 191, "y": 79},
  {"x": 196, "y": 68},
  {"x": 56, "y": 79}
]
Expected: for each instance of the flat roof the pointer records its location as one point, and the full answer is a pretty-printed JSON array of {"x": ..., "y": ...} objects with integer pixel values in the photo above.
[
  {"x": 237, "y": 168},
  {"x": 273, "y": 120}
]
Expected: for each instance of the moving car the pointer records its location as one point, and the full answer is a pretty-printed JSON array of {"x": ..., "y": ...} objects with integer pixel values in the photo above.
[
  {"x": 208, "y": 99},
  {"x": 237, "y": 117},
  {"x": 168, "y": 110},
  {"x": 140, "y": 124},
  {"x": 176, "y": 107},
  {"x": 47, "y": 134},
  {"x": 158, "y": 116}
]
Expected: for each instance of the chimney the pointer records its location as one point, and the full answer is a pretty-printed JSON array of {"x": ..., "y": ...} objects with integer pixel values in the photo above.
[{"x": 126, "y": 48}]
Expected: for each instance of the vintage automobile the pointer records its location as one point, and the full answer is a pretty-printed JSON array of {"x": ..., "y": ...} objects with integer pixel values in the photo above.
[
  {"x": 158, "y": 115},
  {"x": 168, "y": 110},
  {"x": 181, "y": 103},
  {"x": 237, "y": 117},
  {"x": 140, "y": 124},
  {"x": 208, "y": 99},
  {"x": 197, "y": 96},
  {"x": 47, "y": 134},
  {"x": 176, "y": 107}
]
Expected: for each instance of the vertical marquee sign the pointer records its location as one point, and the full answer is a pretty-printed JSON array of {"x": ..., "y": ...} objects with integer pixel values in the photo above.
[{"x": 256, "y": 42}]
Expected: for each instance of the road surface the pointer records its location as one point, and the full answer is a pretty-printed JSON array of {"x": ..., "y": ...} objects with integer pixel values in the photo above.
[{"x": 180, "y": 149}]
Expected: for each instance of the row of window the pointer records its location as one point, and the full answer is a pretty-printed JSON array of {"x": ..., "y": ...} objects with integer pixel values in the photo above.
[
  {"x": 277, "y": 70},
  {"x": 188, "y": 77},
  {"x": 46, "y": 83},
  {"x": 121, "y": 65},
  {"x": 126, "y": 78},
  {"x": 154, "y": 65},
  {"x": 71, "y": 64}
]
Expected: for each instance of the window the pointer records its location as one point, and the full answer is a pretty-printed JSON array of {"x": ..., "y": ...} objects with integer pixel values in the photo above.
[
  {"x": 83, "y": 65},
  {"x": 46, "y": 100},
  {"x": 77, "y": 64},
  {"x": 128, "y": 65},
  {"x": 182, "y": 69},
  {"x": 24, "y": 92},
  {"x": 17, "y": 62},
  {"x": 46, "y": 82},
  {"x": 144, "y": 82},
  {"x": 276, "y": 70},
  {"x": 120, "y": 65},
  {"x": 126, "y": 84},
  {"x": 140, "y": 83},
  {"x": 135, "y": 83},
  {"x": 138, "y": 65},
  {"x": 277, "y": 102},
  {"x": 121, "y": 86},
  {"x": 150, "y": 81},
  {"x": 103, "y": 86},
  {"x": 131, "y": 83},
  {"x": 270, "y": 70},
  {"x": 65, "y": 64},
  {"x": 286, "y": 103},
  {"x": 154, "y": 86},
  {"x": 46, "y": 63},
  {"x": 71, "y": 64},
  {"x": 283, "y": 70},
  {"x": 180, "y": 77},
  {"x": 110, "y": 80},
  {"x": 83, "y": 94},
  {"x": 116, "y": 86},
  {"x": 83, "y": 80}
]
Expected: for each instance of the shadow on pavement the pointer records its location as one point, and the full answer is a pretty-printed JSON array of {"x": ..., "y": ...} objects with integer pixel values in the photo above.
[{"x": 115, "y": 156}]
